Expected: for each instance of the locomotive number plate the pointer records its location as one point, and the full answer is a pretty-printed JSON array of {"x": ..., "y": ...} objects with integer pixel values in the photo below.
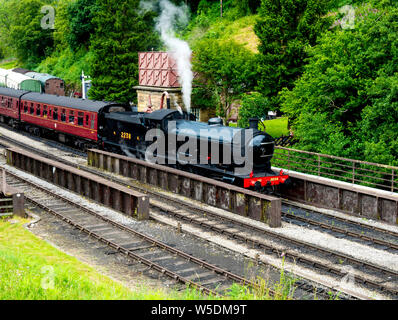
[{"x": 126, "y": 135}]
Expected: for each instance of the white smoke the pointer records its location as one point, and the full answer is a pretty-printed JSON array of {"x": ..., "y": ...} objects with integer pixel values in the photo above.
[{"x": 178, "y": 49}]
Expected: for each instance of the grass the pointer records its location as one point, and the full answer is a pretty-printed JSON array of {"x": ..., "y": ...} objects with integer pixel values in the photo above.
[
  {"x": 9, "y": 64},
  {"x": 32, "y": 269},
  {"x": 240, "y": 30},
  {"x": 276, "y": 128}
]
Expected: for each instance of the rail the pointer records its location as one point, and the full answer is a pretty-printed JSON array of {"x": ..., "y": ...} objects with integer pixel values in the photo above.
[{"x": 348, "y": 170}]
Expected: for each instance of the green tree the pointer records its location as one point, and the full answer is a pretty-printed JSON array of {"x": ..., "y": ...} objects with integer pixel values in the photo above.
[
  {"x": 351, "y": 80},
  {"x": 26, "y": 36},
  {"x": 81, "y": 25},
  {"x": 62, "y": 27},
  {"x": 253, "y": 105},
  {"x": 226, "y": 68},
  {"x": 121, "y": 32},
  {"x": 285, "y": 29}
]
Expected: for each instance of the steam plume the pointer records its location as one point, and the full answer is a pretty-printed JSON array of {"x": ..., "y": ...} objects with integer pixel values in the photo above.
[{"x": 179, "y": 50}]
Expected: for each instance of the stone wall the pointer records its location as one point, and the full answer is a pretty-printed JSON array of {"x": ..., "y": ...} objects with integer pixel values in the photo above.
[
  {"x": 143, "y": 93},
  {"x": 156, "y": 93}
]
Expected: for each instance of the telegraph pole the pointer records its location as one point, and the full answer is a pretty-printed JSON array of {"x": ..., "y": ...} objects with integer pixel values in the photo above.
[{"x": 86, "y": 84}]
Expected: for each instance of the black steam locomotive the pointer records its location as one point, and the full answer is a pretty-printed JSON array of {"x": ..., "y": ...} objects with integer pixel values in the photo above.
[{"x": 241, "y": 157}]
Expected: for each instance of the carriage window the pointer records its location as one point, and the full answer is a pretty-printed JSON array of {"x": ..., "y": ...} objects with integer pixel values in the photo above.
[
  {"x": 87, "y": 119},
  {"x": 9, "y": 103},
  {"x": 45, "y": 111},
  {"x": 25, "y": 107},
  {"x": 32, "y": 109},
  {"x": 63, "y": 115},
  {"x": 55, "y": 114},
  {"x": 80, "y": 117},
  {"x": 38, "y": 109},
  {"x": 92, "y": 121},
  {"x": 61, "y": 85},
  {"x": 71, "y": 117}
]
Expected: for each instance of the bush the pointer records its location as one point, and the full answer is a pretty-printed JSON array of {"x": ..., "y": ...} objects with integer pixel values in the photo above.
[{"x": 253, "y": 105}]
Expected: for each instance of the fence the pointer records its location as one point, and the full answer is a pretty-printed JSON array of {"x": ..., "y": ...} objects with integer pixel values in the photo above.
[{"x": 353, "y": 171}]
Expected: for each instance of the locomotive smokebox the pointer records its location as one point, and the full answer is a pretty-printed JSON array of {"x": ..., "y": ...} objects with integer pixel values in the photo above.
[{"x": 253, "y": 123}]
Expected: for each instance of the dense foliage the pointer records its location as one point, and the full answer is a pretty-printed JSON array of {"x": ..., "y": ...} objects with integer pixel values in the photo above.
[
  {"x": 346, "y": 101},
  {"x": 21, "y": 30},
  {"x": 331, "y": 68},
  {"x": 81, "y": 21},
  {"x": 227, "y": 70},
  {"x": 254, "y": 104},
  {"x": 115, "y": 45},
  {"x": 285, "y": 29}
]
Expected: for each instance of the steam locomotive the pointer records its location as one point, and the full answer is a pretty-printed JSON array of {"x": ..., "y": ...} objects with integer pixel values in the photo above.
[{"x": 241, "y": 157}]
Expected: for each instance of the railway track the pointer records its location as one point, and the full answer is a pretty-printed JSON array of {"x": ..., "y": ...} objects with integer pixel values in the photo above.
[
  {"x": 299, "y": 252},
  {"x": 167, "y": 260},
  {"x": 378, "y": 238},
  {"x": 375, "y": 281},
  {"x": 339, "y": 227}
]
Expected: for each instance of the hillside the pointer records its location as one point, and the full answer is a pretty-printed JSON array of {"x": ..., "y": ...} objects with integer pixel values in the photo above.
[{"x": 331, "y": 66}]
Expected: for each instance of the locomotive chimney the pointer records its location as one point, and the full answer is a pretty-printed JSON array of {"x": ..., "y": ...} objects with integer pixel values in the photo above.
[{"x": 253, "y": 123}]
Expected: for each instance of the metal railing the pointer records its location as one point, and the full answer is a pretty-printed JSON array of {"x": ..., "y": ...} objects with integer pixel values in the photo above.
[{"x": 353, "y": 171}]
